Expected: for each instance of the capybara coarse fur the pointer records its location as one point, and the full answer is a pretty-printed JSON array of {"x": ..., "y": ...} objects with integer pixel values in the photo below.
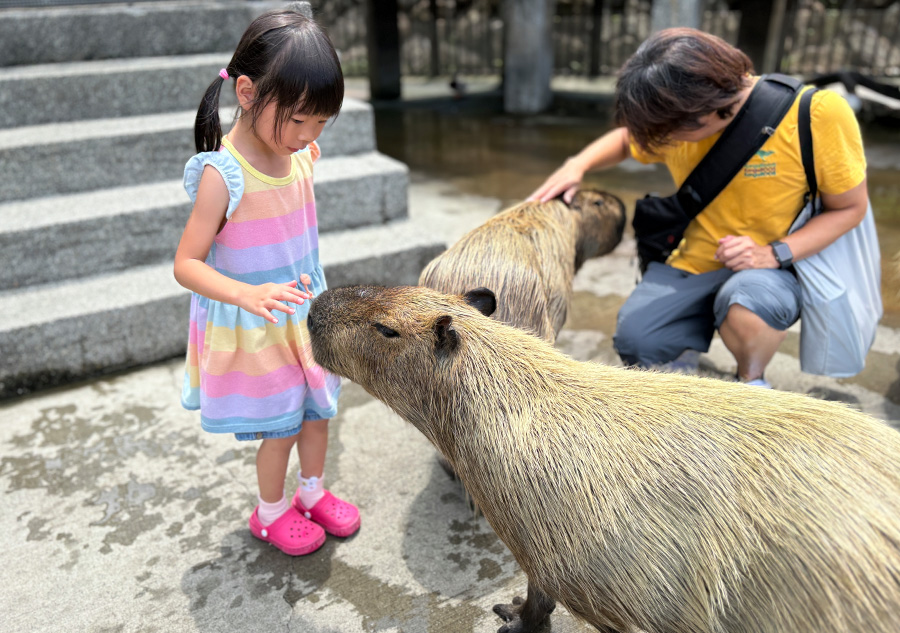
[
  {"x": 639, "y": 500},
  {"x": 528, "y": 255}
]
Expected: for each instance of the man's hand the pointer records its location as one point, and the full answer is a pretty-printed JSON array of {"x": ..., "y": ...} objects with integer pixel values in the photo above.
[
  {"x": 742, "y": 253},
  {"x": 564, "y": 180}
]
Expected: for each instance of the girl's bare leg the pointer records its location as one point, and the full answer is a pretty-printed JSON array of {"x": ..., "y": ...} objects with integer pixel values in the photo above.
[
  {"x": 311, "y": 448},
  {"x": 271, "y": 466}
]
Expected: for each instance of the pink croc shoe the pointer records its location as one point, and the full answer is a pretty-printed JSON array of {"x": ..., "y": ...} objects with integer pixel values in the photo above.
[
  {"x": 338, "y": 517},
  {"x": 291, "y": 532}
]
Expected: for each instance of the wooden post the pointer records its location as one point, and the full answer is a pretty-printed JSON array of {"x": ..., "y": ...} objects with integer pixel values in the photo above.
[
  {"x": 754, "y": 30},
  {"x": 596, "y": 31},
  {"x": 775, "y": 40},
  {"x": 435, "y": 42},
  {"x": 383, "y": 39},
  {"x": 668, "y": 13},
  {"x": 302, "y": 7},
  {"x": 527, "y": 55}
]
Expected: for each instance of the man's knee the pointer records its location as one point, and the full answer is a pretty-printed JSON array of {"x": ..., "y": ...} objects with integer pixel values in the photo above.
[
  {"x": 773, "y": 296},
  {"x": 636, "y": 347}
]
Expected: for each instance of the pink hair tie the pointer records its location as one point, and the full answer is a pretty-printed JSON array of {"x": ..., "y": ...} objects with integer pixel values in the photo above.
[{"x": 223, "y": 74}]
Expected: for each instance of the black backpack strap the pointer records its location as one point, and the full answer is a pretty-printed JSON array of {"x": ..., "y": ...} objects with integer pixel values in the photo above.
[
  {"x": 804, "y": 132},
  {"x": 754, "y": 123}
]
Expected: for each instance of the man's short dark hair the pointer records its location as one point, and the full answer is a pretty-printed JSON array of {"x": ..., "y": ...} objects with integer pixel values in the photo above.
[{"x": 676, "y": 77}]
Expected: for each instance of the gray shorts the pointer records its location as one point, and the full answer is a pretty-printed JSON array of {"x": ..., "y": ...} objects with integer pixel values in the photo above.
[{"x": 671, "y": 310}]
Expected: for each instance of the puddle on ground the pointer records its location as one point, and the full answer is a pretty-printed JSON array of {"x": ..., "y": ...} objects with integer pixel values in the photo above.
[{"x": 472, "y": 143}]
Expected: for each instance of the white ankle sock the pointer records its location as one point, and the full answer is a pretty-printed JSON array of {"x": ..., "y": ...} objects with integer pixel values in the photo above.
[
  {"x": 311, "y": 490},
  {"x": 268, "y": 513}
]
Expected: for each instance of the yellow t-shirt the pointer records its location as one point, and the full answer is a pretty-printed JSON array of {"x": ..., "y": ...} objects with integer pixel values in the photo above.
[{"x": 764, "y": 198}]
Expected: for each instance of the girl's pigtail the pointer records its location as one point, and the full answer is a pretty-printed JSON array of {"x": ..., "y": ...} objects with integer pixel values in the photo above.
[{"x": 207, "y": 129}]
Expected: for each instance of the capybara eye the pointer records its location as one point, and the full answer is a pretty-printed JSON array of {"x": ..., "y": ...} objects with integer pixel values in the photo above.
[
  {"x": 599, "y": 203},
  {"x": 386, "y": 331}
]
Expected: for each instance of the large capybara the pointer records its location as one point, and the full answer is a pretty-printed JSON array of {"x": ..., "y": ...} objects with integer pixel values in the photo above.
[
  {"x": 639, "y": 500},
  {"x": 528, "y": 256}
]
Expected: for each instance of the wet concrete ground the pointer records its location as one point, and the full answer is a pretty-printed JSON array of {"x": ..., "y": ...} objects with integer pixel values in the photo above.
[{"x": 121, "y": 514}]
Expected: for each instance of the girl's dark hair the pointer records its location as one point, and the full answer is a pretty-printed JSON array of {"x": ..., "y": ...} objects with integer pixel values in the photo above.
[
  {"x": 676, "y": 77},
  {"x": 291, "y": 62}
]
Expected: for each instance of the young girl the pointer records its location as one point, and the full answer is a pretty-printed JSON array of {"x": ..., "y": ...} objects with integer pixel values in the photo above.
[{"x": 250, "y": 239}]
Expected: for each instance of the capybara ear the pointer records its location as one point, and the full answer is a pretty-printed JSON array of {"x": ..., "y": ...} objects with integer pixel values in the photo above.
[
  {"x": 482, "y": 300},
  {"x": 447, "y": 338}
]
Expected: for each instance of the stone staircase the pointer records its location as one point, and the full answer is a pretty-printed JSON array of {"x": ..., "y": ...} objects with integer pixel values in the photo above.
[{"x": 96, "y": 121}]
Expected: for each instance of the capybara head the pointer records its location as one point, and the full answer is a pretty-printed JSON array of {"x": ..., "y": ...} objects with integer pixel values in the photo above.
[
  {"x": 372, "y": 335},
  {"x": 602, "y": 223},
  {"x": 397, "y": 343}
]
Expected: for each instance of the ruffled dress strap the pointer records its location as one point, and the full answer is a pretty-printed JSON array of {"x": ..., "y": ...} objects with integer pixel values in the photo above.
[{"x": 227, "y": 165}]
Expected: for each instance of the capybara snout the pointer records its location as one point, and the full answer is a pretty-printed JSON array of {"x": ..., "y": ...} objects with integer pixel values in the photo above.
[
  {"x": 324, "y": 304},
  {"x": 333, "y": 319},
  {"x": 603, "y": 223}
]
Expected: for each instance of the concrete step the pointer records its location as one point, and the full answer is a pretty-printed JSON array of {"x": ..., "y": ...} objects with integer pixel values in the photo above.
[
  {"x": 61, "y": 158},
  {"x": 31, "y": 95},
  {"x": 45, "y": 35},
  {"x": 76, "y": 235},
  {"x": 56, "y": 333}
]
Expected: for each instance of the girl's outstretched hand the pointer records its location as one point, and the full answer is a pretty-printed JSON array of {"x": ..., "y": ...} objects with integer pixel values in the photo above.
[
  {"x": 262, "y": 299},
  {"x": 564, "y": 180}
]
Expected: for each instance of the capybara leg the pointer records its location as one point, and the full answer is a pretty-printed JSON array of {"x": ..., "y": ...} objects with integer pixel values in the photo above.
[{"x": 524, "y": 616}]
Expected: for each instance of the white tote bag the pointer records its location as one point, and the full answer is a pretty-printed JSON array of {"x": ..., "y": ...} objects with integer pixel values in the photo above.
[
  {"x": 841, "y": 291},
  {"x": 840, "y": 285}
]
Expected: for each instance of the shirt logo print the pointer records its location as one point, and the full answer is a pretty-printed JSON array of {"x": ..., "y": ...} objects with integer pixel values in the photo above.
[{"x": 765, "y": 168}]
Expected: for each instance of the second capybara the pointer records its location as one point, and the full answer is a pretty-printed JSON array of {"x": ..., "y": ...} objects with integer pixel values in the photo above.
[
  {"x": 528, "y": 256},
  {"x": 639, "y": 500}
]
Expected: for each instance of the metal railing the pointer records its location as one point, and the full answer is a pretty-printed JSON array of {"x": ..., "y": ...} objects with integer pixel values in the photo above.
[
  {"x": 595, "y": 37},
  {"x": 438, "y": 37},
  {"x": 25, "y": 4},
  {"x": 822, "y": 37}
]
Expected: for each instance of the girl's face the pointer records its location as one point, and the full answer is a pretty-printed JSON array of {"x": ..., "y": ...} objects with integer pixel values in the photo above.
[{"x": 295, "y": 134}]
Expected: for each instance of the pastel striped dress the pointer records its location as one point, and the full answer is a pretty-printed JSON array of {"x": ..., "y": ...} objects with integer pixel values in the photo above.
[{"x": 248, "y": 375}]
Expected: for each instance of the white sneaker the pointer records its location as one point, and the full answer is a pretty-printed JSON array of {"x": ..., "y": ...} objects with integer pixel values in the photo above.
[{"x": 759, "y": 382}]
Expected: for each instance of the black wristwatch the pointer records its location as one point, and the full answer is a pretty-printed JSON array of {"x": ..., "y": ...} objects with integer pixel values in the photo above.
[{"x": 783, "y": 254}]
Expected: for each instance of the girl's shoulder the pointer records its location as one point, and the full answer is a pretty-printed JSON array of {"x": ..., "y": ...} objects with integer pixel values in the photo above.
[{"x": 227, "y": 166}]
